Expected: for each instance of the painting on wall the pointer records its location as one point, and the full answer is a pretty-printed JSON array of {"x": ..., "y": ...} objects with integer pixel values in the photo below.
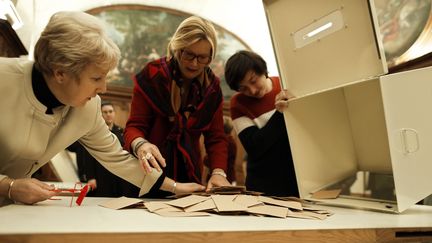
[
  {"x": 142, "y": 34},
  {"x": 406, "y": 29}
]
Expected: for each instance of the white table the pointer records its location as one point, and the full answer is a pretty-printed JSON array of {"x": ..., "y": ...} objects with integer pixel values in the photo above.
[{"x": 54, "y": 221}]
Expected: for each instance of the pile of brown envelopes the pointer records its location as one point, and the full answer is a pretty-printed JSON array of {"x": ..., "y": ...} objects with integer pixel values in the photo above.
[{"x": 232, "y": 200}]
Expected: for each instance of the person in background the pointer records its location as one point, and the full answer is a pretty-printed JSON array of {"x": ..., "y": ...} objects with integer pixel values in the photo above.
[
  {"x": 232, "y": 149},
  {"x": 176, "y": 99},
  {"x": 256, "y": 111},
  {"x": 232, "y": 153},
  {"x": 53, "y": 101},
  {"x": 104, "y": 183},
  {"x": 240, "y": 168}
]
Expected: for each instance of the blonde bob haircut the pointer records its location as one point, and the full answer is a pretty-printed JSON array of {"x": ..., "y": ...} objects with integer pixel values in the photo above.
[
  {"x": 73, "y": 40},
  {"x": 190, "y": 31}
]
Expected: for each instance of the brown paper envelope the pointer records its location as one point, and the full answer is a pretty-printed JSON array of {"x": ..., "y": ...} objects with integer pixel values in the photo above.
[
  {"x": 290, "y": 199},
  {"x": 247, "y": 200},
  {"x": 182, "y": 214},
  {"x": 275, "y": 211},
  {"x": 141, "y": 206},
  {"x": 202, "y": 206},
  {"x": 169, "y": 209},
  {"x": 315, "y": 215},
  {"x": 187, "y": 201},
  {"x": 310, "y": 207},
  {"x": 326, "y": 194},
  {"x": 156, "y": 205},
  {"x": 121, "y": 202},
  {"x": 228, "y": 192},
  {"x": 253, "y": 193},
  {"x": 282, "y": 203},
  {"x": 325, "y": 212},
  {"x": 225, "y": 203},
  {"x": 227, "y": 189}
]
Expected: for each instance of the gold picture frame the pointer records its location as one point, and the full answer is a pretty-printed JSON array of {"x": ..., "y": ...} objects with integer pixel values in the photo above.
[{"x": 142, "y": 34}]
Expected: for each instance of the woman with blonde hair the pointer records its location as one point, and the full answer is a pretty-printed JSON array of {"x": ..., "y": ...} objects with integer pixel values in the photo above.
[
  {"x": 53, "y": 101},
  {"x": 176, "y": 99}
]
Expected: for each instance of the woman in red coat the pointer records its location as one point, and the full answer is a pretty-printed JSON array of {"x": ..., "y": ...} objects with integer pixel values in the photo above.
[{"x": 176, "y": 99}]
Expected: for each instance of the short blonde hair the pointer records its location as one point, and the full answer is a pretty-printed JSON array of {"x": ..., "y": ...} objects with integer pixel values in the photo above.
[
  {"x": 71, "y": 41},
  {"x": 190, "y": 31}
]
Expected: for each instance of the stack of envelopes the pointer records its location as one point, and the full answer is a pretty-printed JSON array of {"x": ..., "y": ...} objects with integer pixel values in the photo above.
[{"x": 225, "y": 201}]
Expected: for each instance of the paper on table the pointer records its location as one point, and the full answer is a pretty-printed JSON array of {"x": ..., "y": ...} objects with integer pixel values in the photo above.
[
  {"x": 195, "y": 205},
  {"x": 187, "y": 201},
  {"x": 156, "y": 205},
  {"x": 270, "y": 210},
  {"x": 326, "y": 194},
  {"x": 247, "y": 200},
  {"x": 287, "y": 204},
  {"x": 307, "y": 215},
  {"x": 121, "y": 202},
  {"x": 182, "y": 214},
  {"x": 203, "y": 206},
  {"x": 225, "y": 203}
]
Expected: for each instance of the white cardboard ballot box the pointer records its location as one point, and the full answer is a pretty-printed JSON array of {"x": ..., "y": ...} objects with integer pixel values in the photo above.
[{"x": 351, "y": 126}]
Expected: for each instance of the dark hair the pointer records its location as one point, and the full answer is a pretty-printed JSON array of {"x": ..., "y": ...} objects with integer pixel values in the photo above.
[
  {"x": 239, "y": 64},
  {"x": 104, "y": 103}
]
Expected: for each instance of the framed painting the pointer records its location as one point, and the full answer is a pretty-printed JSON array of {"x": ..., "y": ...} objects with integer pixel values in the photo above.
[
  {"x": 406, "y": 29},
  {"x": 142, "y": 34}
]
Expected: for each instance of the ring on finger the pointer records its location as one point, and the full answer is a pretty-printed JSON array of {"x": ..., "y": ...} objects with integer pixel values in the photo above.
[{"x": 148, "y": 156}]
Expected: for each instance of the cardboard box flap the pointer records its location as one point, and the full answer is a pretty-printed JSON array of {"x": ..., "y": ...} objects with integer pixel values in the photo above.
[
  {"x": 410, "y": 135},
  {"x": 324, "y": 44}
]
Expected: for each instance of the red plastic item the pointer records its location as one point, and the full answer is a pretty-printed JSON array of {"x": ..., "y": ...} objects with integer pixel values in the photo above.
[{"x": 82, "y": 192}]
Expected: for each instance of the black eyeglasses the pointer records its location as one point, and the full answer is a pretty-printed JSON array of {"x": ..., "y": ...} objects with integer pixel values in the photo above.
[{"x": 190, "y": 56}]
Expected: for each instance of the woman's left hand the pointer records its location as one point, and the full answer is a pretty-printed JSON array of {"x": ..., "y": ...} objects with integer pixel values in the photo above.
[{"x": 217, "y": 180}]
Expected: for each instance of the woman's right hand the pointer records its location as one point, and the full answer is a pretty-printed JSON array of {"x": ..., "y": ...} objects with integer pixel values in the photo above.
[
  {"x": 281, "y": 100},
  {"x": 186, "y": 188},
  {"x": 150, "y": 156},
  {"x": 30, "y": 190}
]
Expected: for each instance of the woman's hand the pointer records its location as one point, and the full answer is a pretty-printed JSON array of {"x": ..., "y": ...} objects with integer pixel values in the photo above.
[
  {"x": 150, "y": 156},
  {"x": 281, "y": 100},
  {"x": 218, "y": 178},
  {"x": 177, "y": 188},
  {"x": 92, "y": 183},
  {"x": 186, "y": 188},
  {"x": 30, "y": 190}
]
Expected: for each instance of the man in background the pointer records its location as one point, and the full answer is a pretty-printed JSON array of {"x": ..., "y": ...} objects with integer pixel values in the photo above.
[{"x": 105, "y": 183}]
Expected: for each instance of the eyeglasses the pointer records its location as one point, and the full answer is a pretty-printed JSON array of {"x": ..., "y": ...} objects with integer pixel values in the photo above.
[{"x": 190, "y": 56}]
